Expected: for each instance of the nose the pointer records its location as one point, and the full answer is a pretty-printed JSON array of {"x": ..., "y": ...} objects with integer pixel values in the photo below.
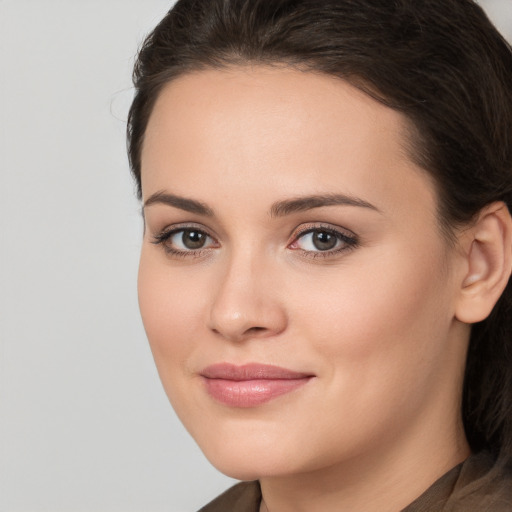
[{"x": 246, "y": 303}]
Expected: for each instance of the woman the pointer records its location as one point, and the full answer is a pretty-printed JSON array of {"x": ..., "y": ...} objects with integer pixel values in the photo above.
[{"x": 326, "y": 188}]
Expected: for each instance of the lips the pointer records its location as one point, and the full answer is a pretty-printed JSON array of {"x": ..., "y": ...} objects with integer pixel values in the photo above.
[{"x": 250, "y": 385}]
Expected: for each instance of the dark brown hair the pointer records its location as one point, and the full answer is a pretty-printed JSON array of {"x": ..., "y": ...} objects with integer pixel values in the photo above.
[{"x": 439, "y": 62}]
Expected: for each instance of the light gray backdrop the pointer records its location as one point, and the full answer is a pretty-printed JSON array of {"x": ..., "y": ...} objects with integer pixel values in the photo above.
[{"x": 84, "y": 422}]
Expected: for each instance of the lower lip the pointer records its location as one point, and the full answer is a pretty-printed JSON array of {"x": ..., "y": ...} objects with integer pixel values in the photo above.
[{"x": 250, "y": 393}]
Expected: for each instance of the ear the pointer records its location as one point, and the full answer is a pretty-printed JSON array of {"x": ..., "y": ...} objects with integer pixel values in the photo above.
[{"x": 487, "y": 249}]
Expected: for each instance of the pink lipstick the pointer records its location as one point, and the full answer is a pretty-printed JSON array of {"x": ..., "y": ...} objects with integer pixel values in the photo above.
[{"x": 251, "y": 384}]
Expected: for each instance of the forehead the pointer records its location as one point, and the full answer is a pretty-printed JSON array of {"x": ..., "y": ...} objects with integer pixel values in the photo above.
[
  {"x": 261, "y": 126},
  {"x": 257, "y": 98}
]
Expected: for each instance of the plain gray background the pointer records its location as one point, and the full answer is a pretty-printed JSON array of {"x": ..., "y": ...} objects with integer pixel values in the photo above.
[{"x": 84, "y": 422}]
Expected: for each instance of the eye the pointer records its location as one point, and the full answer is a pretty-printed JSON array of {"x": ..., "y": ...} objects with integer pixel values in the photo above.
[
  {"x": 188, "y": 239},
  {"x": 318, "y": 241},
  {"x": 323, "y": 240},
  {"x": 184, "y": 241}
]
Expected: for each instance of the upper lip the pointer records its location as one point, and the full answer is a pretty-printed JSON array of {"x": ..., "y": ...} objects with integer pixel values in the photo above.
[{"x": 251, "y": 371}]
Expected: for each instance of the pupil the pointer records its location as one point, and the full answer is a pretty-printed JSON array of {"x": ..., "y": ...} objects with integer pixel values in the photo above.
[
  {"x": 324, "y": 241},
  {"x": 193, "y": 239}
]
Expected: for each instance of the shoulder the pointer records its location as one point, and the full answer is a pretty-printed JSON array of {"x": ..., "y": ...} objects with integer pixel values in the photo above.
[
  {"x": 484, "y": 485},
  {"x": 242, "y": 497},
  {"x": 479, "y": 484}
]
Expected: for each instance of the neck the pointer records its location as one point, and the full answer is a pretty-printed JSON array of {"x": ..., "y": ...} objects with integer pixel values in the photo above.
[{"x": 384, "y": 480}]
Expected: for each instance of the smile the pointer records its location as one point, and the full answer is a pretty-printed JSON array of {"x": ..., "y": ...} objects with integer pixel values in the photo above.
[{"x": 250, "y": 385}]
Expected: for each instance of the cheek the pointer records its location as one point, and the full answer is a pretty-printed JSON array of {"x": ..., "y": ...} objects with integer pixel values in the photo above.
[
  {"x": 170, "y": 306},
  {"x": 379, "y": 335},
  {"x": 173, "y": 317},
  {"x": 380, "y": 315}
]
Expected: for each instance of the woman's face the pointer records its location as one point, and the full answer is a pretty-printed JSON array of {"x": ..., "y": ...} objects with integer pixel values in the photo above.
[{"x": 296, "y": 290}]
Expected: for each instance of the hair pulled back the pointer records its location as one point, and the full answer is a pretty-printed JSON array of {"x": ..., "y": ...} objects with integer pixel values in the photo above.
[{"x": 441, "y": 63}]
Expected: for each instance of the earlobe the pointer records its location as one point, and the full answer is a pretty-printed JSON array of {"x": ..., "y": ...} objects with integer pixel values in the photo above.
[{"x": 488, "y": 266}]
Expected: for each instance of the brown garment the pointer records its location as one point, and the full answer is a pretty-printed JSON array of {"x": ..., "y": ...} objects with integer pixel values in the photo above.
[{"x": 476, "y": 485}]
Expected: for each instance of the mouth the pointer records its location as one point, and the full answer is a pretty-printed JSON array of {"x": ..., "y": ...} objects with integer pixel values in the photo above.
[{"x": 252, "y": 384}]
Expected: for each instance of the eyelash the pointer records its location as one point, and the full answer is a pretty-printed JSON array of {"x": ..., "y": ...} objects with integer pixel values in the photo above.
[
  {"x": 166, "y": 234},
  {"x": 349, "y": 241}
]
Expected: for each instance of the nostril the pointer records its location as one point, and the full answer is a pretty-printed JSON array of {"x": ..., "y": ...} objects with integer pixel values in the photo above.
[{"x": 255, "y": 329}]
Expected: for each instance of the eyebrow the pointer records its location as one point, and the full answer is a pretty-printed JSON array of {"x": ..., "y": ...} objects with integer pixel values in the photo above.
[
  {"x": 183, "y": 203},
  {"x": 289, "y": 206},
  {"x": 278, "y": 209}
]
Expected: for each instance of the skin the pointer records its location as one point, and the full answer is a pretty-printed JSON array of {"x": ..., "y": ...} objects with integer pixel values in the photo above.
[{"x": 375, "y": 322}]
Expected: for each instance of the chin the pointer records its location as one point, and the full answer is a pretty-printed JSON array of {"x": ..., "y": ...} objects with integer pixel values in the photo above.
[
  {"x": 250, "y": 468},
  {"x": 249, "y": 455}
]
